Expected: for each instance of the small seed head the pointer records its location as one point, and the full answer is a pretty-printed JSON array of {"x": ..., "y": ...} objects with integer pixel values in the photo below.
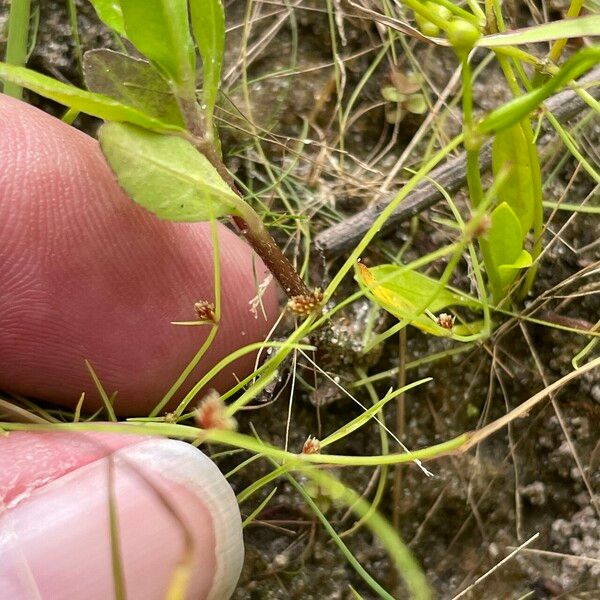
[
  {"x": 311, "y": 446},
  {"x": 446, "y": 321},
  {"x": 211, "y": 413},
  {"x": 304, "y": 306},
  {"x": 170, "y": 418},
  {"x": 205, "y": 311}
]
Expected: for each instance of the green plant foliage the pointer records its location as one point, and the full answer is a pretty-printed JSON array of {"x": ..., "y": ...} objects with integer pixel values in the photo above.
[
  {"x": 407, "y": 294},
  {"x": 516, "y": 110},
  {"x": 368, "y": 414},
  {"x": 111, "y": 14},
  {"x": 555, "y": 30},
  {"x": 505, "y": 240},
  {"x": 97, "y": 105},
  {"x": 159, "y": 29},
  {"x": 510, "y": 153},
  {"x": 132, "y": 81},
  {"x": 208, "y": 25},
  {"x": 515, "y": 164},
  {"x": 166, "y": 174}
]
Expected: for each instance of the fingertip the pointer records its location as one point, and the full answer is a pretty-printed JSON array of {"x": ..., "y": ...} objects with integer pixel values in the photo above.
[
  {"x": 172, "y": 506},
  {"x": 89, "y": 275}
]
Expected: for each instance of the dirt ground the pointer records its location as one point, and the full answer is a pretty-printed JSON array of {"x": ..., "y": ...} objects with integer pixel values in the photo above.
[{"x": 524, "y": 481}]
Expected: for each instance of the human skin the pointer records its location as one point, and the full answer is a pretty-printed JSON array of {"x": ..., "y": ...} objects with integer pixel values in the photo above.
[
  {"x": 85, "y": 274},
  {"x": 89, "y": 275},
  {"x": 171, "y": 502}
]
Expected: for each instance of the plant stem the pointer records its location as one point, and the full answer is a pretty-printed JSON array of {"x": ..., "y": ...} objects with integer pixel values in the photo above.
[
  {"x": 16, "y": 46},
  {"x": 474, "y": 174},
  {"x": 271, "y": 254},
  {"x": 249, "y": 224}
]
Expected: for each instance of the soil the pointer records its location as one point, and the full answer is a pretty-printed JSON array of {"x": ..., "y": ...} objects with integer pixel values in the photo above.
[{"x": 476, "y": 509}]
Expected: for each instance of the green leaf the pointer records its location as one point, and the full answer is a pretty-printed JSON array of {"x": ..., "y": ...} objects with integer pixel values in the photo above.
[
  {"x": 111, "y": 14},
  {"x": 420, "y": 288},
  {"x": 505, "y": 239},
  {"x": 523, "y": 261},
  {"x": 97, "y": 105},
  {"x": 208, "y": 24},
  {"x": 405, "y": 294},
  {"x": 159, "y": 29},
  {"x": 166, "y": 174},
  {"x": 555, "y": 30},
  {"x": 368, "y": 414},
  {"x": 511, "y": 152},
  {"x": 132, "y": 81},
  {"x": 416, "y": 104}
]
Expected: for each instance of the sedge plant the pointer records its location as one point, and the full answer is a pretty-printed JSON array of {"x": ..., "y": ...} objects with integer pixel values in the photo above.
[{"x": 162, "y": 143}]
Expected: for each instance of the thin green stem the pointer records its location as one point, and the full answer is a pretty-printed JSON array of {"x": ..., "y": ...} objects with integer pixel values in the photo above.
[
  {"x": 16, "y": 45},
  {"x": 386, "y": 213},
  {"x": 213, "y": 329},
  {"x": 72, "y": 9}
]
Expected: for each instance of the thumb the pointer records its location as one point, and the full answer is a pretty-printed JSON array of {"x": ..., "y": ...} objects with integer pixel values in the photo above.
[
  {"x": 87, "y": 274},
  {"x": 172, "y": 506}
]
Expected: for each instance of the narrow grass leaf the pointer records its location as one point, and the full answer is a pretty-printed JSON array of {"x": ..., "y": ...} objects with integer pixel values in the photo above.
[
  {"x": 93, "y": 104},
  {"x": 166, "y": 174},
  {"x": 159, "y": 29},
  {"x": 103, "y": 395},
  {"x": 208, "y": 25},
  {"x": 132, "y": 81},
  {"x": 259, "y": 508},
  {"x": 115, "y": 545},
  {"x": 110, "y": 14},
  {"x": 355, "y": 594},
  {"x": 17, "y": 41},
  {"x": 516, "y": 110},
  {"x": 408, "y": 569},
  {"x": 260, "y": 483},
  {"x": 555, "y": 30},
  {"x": 368, "y": 414}
]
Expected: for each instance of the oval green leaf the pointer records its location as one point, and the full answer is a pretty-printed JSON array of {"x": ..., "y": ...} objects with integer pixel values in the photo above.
[
  {"x": 159, "y": 29},
  {"x": 406, "y": 294},
  {"x": 110, "y": 14},
  {"x": 166, "y": 174},
  {"x": 505, "y": 241},
  {"x": 511, "y": 151},
  {"x": 96, "y": 105},
  {"x": 132, "y": 81}
]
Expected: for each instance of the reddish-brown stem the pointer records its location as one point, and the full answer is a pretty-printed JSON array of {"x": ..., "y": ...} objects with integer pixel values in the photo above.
[
  {"x": 273, "y": 257},
  {"x": 250, "y": 225}
]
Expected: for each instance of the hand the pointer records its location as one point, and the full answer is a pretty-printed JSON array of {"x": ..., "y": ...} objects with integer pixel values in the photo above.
[{"x": 87, "y": 274}]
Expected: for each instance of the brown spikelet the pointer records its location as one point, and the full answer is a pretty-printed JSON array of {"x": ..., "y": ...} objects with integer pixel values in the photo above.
[
  {"x": 445, "y": 320},
  {"x": 483, "y": 226},
  {"x": 211, "y": 413},
  {"x": 304, "y": 306},
  {"x": 205, "y": 311},
  {"x": 311, "y": 446}
]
